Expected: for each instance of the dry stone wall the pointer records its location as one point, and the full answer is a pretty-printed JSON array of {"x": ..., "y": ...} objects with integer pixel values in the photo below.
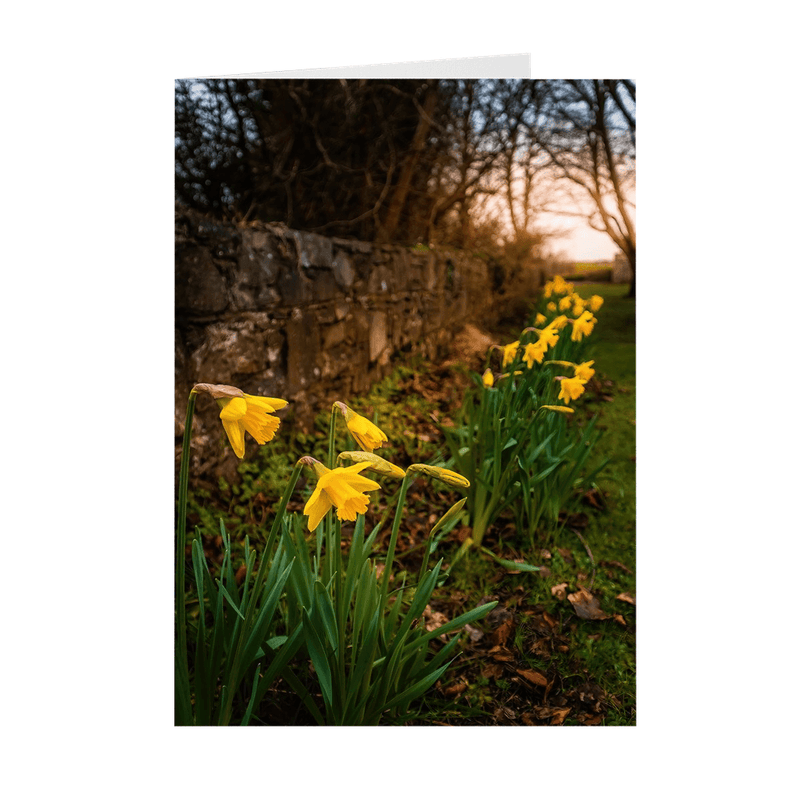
[{"x": 291, "y": 314}]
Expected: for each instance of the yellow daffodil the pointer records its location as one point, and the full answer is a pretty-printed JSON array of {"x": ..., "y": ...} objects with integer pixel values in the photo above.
[
  {"x": 564, "y": 303},
  {"x": 560, "y": 286},
  {"x": 548, "y": 289},
  {"x": 534, "y": 353},
  {"x": 561, "y": 409},
  {"x": 552, "y": 306},
  {"x": 595, "y": 301},
  {"x": 367, "y": 434},
  {"x": 509, "y": 353},
  {"x": 584, "y": 370},
  {"x": 582, "y": 326},
  {"x": 380, "y": 465},
  {"x": 242, "y": 412},
  {"x": 571, "y": 389},
  {"x": 549, "y": 336},
  {"x": 540, "y": 320},
  {"x": 488, "y": 378},
  {"x": 578, "y": 309},
  {"x": 447, "y": 475},
  {"x": 342, "y": 487},
  {"x": 559, "y": 322}
]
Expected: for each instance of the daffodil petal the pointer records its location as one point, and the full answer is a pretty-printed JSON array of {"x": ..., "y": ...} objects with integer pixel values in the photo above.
[
  {"x": 235, "y": 436},
  {"x": 318, "y": 505}
]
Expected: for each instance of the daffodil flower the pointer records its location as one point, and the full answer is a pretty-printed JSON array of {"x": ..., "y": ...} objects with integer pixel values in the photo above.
[
  {"x": 559, "y": 322},
  {"x": 552, "y": 306},
  {"x": 549, "y": 336},
  {"x": 242, "y": 412},
  {"x": 564, "y": 303},
  {"x": 488, "y": 378},
  {"x": 342, "y": 488},
  {"x": 540, "y": 320},
  {"x": 571, "y": 389},
  {"x": 367, "y": 434},
  {"x": 510, "y": 353},
  {"x": 582, "y": 326},
  {"x": 584, "y": 370},
  {"x": 534, "y": 353},
  {"x": 595, "y": 301},
  {"x": 560, "y": 286}
]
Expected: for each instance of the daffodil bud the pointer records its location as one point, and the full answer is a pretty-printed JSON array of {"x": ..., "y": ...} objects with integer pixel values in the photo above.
[
  {"x": 451, "y": 512},
  {"x": 380, "y": 465},
  {"x": 446, "y": 475}
]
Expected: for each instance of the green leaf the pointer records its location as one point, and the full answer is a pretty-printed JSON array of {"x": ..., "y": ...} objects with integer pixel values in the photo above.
[
  {"x": 515, "y": 565},
  {"x": 319, "y": 659}
]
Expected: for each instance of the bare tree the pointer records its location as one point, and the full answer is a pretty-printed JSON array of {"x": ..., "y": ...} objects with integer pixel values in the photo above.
[{"x": 591, "y": 141}]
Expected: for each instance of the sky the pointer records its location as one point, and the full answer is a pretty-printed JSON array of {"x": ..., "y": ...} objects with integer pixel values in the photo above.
[{"x": 582, "y": 243}]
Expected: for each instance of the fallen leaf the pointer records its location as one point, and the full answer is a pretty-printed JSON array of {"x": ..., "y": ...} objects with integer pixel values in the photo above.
[
  {"x": 626, "y": 598},
  {"x": 475, "y": 634},
  {"x": 586, "y": 605},
  {"x": 501, "y": 653},
  {"x": 502, "y": 714},
  {"x": 619, "y": 618},
  {"x": 559, "y": 591},
  {"x": 595, "y": 498},
  {"x": 534, "y": 676},
  {"x": 492, "y": 671},
  {"x": 455, "y": 689},
  {"x": 559, "y": 716},
  {"x": 551, "y": 621},
  {"x": 433, "y": 619}
]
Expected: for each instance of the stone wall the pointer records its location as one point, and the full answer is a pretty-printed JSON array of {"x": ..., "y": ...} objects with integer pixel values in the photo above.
[{"x": 290, "y": 314}]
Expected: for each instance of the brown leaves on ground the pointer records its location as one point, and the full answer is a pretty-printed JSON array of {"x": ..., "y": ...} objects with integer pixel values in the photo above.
[{"x": 586, "y": 605}]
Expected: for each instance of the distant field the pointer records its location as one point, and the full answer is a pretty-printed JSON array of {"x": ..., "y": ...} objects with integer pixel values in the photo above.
[{"x": 590, "y": 266}]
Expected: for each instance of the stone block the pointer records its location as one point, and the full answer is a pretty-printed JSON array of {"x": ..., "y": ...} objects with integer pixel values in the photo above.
[
  {"x": 323, "y": 285},
  {"x": 315, "y": 250},
  {"x": 380, "y": 280},
  {"x": 199, "y": 285},
  {"x": 378, "y": 335},
  {"x": 343, "y": 270},
  {"x": 302, "y": 350},
  {"x": 334, "y": 335},
  {"x": 295, "y": 289}
]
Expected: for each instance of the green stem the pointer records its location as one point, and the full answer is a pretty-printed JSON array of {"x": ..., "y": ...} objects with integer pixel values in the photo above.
[
  {"x": 181, "y": 654},
  {"x": 398, "y": 515},
  {"x": 332, "y": 439}
]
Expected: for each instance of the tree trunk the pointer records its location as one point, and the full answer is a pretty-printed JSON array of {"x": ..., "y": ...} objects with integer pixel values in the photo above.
[{"x": 632, "y": 260}]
